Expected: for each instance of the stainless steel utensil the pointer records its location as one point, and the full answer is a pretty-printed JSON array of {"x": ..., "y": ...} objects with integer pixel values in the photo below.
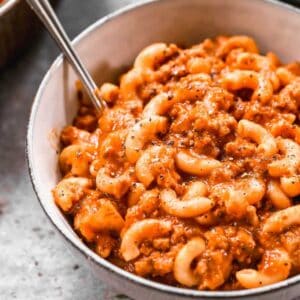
[{"x": 44, "y": 11}]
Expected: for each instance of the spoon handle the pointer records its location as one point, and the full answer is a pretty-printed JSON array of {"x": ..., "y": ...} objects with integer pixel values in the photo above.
[{"x": 44, "y": 11}]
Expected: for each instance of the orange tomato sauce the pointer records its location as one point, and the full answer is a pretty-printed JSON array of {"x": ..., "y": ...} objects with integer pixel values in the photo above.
[{"x": 204, "y": 139}]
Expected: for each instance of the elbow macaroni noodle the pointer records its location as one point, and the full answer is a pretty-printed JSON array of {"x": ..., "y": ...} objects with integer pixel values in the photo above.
[
  {"x": 139, "y": 231},
  {"x": 185, "y": 209},
  {"x": 195, "y": 164},
  {"x": 191, "y": 176},
  {"x": 183, "y": 271},
  {"x": 261, "y": 85},
  {"x": 142, "y": 132},
  {"x": 276, "y": 267},
  {"x": 258, "y": 134}
]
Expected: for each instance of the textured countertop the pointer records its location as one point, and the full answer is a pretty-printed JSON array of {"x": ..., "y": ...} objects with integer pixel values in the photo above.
[{"x": 34, "y": 260}]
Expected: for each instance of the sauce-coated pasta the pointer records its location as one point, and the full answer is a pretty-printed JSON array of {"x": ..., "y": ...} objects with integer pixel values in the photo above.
[{"x": 191, "y": 175}]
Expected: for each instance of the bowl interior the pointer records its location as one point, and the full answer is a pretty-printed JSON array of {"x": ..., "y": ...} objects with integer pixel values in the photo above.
[{"x": 109, "y": 46}]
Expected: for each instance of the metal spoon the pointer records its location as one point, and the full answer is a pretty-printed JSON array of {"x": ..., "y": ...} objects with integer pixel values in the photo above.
[{"x": 44, "y": 11}]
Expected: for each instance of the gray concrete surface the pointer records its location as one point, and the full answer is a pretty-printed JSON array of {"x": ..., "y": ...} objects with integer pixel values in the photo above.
[{"x": 34, "y": 261}]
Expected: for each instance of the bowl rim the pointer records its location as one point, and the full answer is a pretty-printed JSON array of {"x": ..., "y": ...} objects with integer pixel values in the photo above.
[
  {"x": 79, "y": 245},
  {"x": 7, "y": 6}
]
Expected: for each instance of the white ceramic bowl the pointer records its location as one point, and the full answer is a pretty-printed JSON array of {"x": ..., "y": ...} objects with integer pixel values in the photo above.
[{"x": 109, "y": 45}]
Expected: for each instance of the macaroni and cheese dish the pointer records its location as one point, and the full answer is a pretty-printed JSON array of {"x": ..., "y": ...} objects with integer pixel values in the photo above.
[{"x": 190, "y": 177}]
